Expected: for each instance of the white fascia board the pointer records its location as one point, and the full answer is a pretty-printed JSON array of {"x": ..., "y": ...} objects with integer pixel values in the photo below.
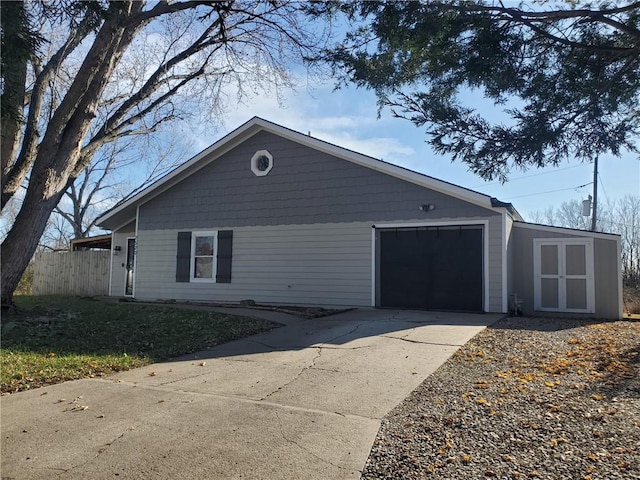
[
  {"x": 515, "y": 217},
  {"x": 566, "y": 231}
]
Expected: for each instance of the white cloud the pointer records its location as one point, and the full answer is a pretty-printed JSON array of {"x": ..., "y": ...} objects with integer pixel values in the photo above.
[
  {"x": 308, "y": 115},
  {"x": 383, "y": 148}
]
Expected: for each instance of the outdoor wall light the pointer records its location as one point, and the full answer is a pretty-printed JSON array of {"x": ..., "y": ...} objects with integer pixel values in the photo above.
[
  {"x": 427, "y": 207},
  {"x": 116, "y": 249}
]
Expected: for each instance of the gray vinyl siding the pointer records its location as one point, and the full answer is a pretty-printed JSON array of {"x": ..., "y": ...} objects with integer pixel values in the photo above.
[
  {"x": 605, "y": 265},
  {"x": 606, "y": 260},
  {"x": 302, "y": 233},
  {"x": 305, "y": 186},
  {"x": 321, "y": 264},
  {"x": 118, "y": 259},
  {"x": 327, "y": 264}
]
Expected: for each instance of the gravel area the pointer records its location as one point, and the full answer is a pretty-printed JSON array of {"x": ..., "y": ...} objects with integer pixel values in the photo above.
[{"x": 525, "y": 398}]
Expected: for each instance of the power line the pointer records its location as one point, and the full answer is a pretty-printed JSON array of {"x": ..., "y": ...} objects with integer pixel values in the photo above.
[
  {"x": 550, "y": 191},
  {"x": 603, "y": 189},
  {"x": 529, "y": 176}
]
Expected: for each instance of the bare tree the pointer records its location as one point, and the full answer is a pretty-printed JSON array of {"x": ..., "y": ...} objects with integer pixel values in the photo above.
[
  {"x": 106, "y": 181},
  {"x": 544, "y": 217},
  {"x": 627, "y": 217},
  {"x": 569, "y": 214},
  {"x": 621, "y": 216},
  {"x": 207, "y": 48}
]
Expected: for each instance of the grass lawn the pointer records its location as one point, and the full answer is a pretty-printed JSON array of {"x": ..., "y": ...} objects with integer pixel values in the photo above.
[{"x": 54, "y": 339}]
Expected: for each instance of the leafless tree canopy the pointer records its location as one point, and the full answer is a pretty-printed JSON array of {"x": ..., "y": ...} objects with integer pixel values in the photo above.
[
  {"x": 100, "y": 73},
  {"x": 620, "y": 216}
]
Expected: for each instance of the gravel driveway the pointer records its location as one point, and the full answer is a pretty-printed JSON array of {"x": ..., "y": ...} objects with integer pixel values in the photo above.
[{"x": 525, "y": 398}]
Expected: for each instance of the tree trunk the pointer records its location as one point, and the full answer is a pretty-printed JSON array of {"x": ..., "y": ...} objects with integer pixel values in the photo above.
[
  {"x": 59, "y": 151},
  {"x": 22, "y": 240},
  {"x": 15, "y": 52}
]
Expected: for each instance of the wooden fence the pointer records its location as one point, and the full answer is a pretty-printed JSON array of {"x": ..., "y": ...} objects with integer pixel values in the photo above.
[{"x": 84, "y": 273}]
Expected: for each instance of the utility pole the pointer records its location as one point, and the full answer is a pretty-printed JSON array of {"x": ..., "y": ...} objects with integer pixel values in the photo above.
[{"x": 594, "y": 210}]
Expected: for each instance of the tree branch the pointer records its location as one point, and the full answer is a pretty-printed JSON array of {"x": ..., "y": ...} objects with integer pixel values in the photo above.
[
  {"x": 529, "y": 18},
  {"x": 155, "y": 81},
  {"x": 164, "y": 8},
  {"x": 31, "y": 136}
]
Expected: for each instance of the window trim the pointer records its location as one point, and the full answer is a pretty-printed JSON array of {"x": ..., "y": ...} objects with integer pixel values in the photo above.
[{"x": 193, "y": 256}]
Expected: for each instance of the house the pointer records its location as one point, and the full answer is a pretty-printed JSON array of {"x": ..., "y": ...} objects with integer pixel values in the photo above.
[{"x": 273, "y": 215}]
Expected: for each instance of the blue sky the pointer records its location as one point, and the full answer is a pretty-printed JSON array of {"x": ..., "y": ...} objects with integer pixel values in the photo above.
[{"x": 349, "y": 118}]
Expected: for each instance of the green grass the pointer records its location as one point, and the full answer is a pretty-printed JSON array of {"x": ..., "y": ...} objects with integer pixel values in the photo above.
[{"x": 54, "y": 339}]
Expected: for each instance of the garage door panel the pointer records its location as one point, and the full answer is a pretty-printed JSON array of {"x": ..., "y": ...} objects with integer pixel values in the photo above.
[
  {"x": 437, "y": 268},
  {"x": 401, "y": 260}
]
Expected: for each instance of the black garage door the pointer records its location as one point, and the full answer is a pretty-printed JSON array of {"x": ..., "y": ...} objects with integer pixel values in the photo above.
[{"x": 434, "y": 268}]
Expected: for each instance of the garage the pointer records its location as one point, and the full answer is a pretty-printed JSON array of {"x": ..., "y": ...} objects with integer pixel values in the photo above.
[{"x": 431, "y": 268}]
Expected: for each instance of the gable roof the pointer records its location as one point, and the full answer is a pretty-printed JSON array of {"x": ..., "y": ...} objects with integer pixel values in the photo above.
[{"x": 123, "y": 212}]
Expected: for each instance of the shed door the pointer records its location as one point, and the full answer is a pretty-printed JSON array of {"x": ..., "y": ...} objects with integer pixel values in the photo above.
[
  {"x": 564, "y": 280},
  {"x": 431, "y": 268}
]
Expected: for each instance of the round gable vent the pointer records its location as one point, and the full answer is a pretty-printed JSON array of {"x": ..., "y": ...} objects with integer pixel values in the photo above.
[{"x": 261, "y": 163}]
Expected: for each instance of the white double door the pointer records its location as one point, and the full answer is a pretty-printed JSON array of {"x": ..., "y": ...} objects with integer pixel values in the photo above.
[{"x": 563, "y": 275}]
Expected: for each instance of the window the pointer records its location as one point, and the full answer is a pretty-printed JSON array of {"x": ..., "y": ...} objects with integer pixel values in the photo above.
[
  {"x": 204, "y": 256},
  {"x": 261, "y": 163},
  {"x": 203, "y": 260}
]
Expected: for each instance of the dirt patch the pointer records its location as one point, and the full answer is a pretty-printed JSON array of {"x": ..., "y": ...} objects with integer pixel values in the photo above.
[{"x": 298, "y": 311}]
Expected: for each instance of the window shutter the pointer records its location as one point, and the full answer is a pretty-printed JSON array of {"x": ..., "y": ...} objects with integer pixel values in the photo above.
[
  {"x": 183, "y": 258},
  {"x": 225, "y": 247}
]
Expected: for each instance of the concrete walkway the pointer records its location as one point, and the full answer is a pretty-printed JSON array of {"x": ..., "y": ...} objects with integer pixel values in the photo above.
[{"x": 301, "y": 401}]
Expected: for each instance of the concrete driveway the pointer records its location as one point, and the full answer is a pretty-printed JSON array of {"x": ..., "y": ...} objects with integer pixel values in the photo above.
[{"x": 301, "y": 401}]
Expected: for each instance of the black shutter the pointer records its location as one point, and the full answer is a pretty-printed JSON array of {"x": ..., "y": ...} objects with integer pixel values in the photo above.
[
  {"x": 225, "y": 247},
  {"x": 183, "y": 258}
]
